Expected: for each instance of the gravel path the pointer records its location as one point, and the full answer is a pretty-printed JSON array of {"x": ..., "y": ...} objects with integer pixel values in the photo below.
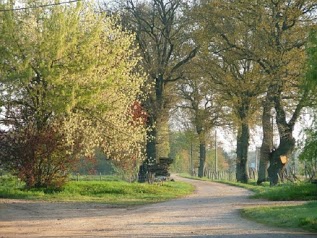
[{"x": 212, "y": 211}]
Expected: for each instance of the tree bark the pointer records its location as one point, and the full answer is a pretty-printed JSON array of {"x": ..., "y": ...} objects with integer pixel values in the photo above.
[
  {"x": 151, "y": 142},
  {"x": 267, "y": 141},
  {"x": 276, "y": 168},
  {"x": 287, "y": 141},
  {"x": 202, "y": 159},
  {"x": 242, "y": 153},
  {"x": 162, "y": 135}
]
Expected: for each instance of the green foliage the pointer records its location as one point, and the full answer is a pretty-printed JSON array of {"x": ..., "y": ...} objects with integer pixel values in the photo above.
[
  {"x": 113, "y": 192},
  {"x": 309, "y": 152},
  {"x": 69, "y": 70},
  {"x": 78, "y": 177},
  {"x": 182, "y": 145},
  {"x": 311, "y": 73},
  {"x": 97, "y": 165},
  {"x": 303, "y": 216},
  {"x": 10, "y": 181}
]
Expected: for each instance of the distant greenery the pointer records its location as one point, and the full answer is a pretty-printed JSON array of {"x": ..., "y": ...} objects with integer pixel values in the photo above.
[
  {"x": 111, "y": 192},
  {"x": 78, "y": 177}
]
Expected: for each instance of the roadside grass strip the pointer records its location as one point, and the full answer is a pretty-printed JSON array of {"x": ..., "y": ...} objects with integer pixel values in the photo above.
[
  {"x": 110, "y": 192},
  {"x": 297, "y": 216}
]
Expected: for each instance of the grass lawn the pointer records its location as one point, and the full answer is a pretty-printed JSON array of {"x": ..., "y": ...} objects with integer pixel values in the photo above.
[
  {"x": 297, "y": 216},
  {"x": 301, "y": 216},
  {"x": 283, "y": 192},
  {"x": 112, "y": 192}
]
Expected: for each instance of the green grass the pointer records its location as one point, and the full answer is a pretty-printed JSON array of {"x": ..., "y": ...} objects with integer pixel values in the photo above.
[
  {"x": 112, "y": 192},
  {"x": 283, "y": 192},
  {"x": 94, "y": 178},
  {"x": 302, "y": 216}
]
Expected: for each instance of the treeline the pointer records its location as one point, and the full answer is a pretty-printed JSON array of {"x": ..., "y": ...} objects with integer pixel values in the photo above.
[{"x": 80, "y": 76}]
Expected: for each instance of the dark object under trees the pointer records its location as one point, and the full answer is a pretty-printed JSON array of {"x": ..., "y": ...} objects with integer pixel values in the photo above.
[
  {"x": 277, "y": 166},
  {"x": 148, "y": 172}
]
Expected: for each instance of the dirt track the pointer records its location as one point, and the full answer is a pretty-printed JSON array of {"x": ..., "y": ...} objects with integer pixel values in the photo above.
[{"x": 213, "y": 211}]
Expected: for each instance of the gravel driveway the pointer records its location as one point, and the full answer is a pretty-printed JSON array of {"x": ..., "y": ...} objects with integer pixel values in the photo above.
[{"x": 212, "y": 211}]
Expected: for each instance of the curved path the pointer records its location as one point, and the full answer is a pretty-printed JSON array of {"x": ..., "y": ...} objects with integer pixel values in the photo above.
[{"x": 212, "y": 211}]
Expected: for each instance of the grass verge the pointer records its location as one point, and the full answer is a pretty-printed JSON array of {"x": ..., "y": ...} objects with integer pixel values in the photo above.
[
  {"x": 282, "y": 192},
  {"x": 111, "y": 192},
  {"x": 299, "y": 216}
]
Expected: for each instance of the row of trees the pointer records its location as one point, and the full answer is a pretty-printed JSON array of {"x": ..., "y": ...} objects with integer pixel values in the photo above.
[
  {"x": 259, "y": 52},
  {"x": 72, "y": 81},
  {"x": 230, "y": 63}
]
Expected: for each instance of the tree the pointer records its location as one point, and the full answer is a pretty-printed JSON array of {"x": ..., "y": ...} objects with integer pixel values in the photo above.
[
  {"x": 71, "y": 76},
  {"x": 198, "y": 101},
  {"x": 279, "y": 33},
  {"x": 242, "y": 99},
  {"x": 235, "y": 78},
  {"x": 309, "y": 151},
  {"x": 285, "y": 35},
  {"x": 309, "y": 154},
  {"x": 160, "y": 28},
  {"x": 182, "y": 150},
  {"x": 182, "y": 126}
]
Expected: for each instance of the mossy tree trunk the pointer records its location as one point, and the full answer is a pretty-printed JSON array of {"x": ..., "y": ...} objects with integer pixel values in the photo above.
[
  {"x": 242, "y": 153},
  {"x": 267, "y": 141}
]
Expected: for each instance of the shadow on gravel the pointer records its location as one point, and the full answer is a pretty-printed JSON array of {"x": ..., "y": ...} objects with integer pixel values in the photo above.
[
  {"x": 56, "y": 211},
  {"x": 268, "y": 235}
]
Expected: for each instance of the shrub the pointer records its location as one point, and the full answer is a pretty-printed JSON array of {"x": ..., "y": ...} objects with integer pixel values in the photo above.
[{"x": 37, "y": 157}]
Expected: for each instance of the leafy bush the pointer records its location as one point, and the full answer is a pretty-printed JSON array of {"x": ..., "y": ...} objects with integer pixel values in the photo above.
[{"x": 38, "y": 157}]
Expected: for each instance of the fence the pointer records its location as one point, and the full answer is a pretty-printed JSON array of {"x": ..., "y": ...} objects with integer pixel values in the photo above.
[{"x": 221, "y": 175}]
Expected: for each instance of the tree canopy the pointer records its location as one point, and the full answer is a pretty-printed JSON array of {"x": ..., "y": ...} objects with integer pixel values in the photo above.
[{"x": 66, "y": 68}]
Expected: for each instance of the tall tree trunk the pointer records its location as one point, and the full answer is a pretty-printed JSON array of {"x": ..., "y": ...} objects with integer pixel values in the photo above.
[
  {"x": 162, "y": 136},
  {"x": 202, "y": 158},
  {"x": 150, "y": 149},
  {"x": 161, "y": 119},
  {"x": 242, "y": 153},
  {"x": 277, "y": 163},
  {"x": 267, "y": 141},
  {"x": 151, "y": 141},
  {"x": 287, "y": 141}
]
